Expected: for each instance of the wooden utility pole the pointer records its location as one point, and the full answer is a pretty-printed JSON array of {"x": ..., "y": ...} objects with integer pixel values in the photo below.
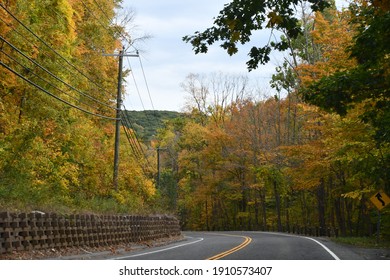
[
  {"x": 118, "y": 113},
  {"x": 158, "y": 165}
]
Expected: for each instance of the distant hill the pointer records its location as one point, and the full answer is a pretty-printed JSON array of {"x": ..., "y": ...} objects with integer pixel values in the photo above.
[{"x": 146, "y": 123}]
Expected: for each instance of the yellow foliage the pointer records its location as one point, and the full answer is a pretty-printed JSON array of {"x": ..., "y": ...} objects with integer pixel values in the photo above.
[{"x": 333, "y": 38}]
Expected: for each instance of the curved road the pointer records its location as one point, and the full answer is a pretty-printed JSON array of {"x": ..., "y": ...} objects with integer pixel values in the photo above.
[{"x": 244, "y": 246}]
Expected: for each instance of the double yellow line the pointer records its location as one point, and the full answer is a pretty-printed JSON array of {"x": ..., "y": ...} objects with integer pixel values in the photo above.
[{"x": 246, "y": 242}]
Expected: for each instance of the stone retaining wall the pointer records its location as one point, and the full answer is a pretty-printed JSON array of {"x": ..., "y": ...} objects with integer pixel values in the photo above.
[{"x": 30, "y": 231}]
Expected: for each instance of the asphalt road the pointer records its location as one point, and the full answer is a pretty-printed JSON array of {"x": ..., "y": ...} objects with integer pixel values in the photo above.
[{"x": 245, "y": 246}]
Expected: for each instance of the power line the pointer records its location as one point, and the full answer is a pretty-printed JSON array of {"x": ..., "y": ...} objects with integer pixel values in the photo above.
[
  {"x": 29, "y": 70},
  {"x": 54, "y": 76},
  {"x": 146, "y": 82},
  {"x": 127, "y": 118},
  {"x": 42, "y": 51},
  {"x": 137, "y": 147},
  {"x": 113, "y": 25},
  {"x": 53, "y": 95},
  {"x": 53, "y": 50},
  {"x": 139, "y": 93},
  {"x": 128, "y": 124},
  {"x": 136, "y": 85},
  {"x": 118, "y": 112},
  {"x": 137, "y": 153}
]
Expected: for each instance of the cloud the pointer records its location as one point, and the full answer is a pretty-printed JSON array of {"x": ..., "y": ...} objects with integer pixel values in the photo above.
[{"x": 168, "y": 60}]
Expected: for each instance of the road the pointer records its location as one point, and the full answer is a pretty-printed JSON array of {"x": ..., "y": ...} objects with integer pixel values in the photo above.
[{"x": 244, "y": 246}]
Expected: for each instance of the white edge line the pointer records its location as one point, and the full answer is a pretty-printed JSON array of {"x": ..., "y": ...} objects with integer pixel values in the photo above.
[
  {"x": 312, "y": 239},
  {"x": 158, "y": 251},
  {"x": 323, "y": 246}
]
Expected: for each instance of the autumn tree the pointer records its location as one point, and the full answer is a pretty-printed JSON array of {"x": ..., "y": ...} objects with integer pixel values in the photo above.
[
  {"x": 368, "y": 82},
  {"x": 57, "y": 108}
]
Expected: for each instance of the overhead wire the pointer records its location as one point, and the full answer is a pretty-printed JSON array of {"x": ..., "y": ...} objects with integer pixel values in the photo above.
[
  {"x": 135, "y": 152},
  {"x": 51, "y": 94},
  {"x": 45, "y": 53},
  {"x": 138, "y": 91},
  {"x": 146, "y": 82},
  {"x": 133, "y": 146},
  {"x": 113, "y": 25},
  {"x": 129, "y": 124},
  {"x": 128, "y": 60},
  {"x": 136, "y": 145},
  {"x": 29, "y": 70},
  {"x": 52, "y": 49},
  {"x": 122, "y": 35},
  {"x": 138, "y": 151},
  {"x": 54, "y": 76},
  {"x": 136, "y": 84},
  {"x": 50, "y": 73}
]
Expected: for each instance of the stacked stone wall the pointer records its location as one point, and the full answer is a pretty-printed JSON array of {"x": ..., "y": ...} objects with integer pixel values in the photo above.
[{"x": 31, "y": 231}]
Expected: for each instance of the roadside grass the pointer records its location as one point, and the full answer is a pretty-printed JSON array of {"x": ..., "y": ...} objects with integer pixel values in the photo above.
[{"x": 365, "y": 242}]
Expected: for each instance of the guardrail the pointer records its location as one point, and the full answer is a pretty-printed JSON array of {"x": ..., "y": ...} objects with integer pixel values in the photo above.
[{"x": 30, "y": 231}]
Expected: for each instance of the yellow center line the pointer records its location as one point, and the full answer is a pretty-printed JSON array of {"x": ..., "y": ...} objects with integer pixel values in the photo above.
[{"x": 246, "y": 242}]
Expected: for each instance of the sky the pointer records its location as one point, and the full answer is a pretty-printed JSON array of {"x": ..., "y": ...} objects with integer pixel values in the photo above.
[{"x": 165, "y": 59}]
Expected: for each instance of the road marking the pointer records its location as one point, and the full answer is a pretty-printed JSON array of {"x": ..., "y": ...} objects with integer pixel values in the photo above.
[
  {"x": 323, "y": 246},
  {"x": 159, "y": 251},
  {"x": 246, "y": 242},
  {"x": 312, "y": 239}
]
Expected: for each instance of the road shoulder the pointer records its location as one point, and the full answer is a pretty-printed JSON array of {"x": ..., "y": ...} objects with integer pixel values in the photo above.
[{"x": 350, "y": 252}]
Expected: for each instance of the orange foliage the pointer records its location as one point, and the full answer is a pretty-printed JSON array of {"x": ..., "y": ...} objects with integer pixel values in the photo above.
[{"x": 333, "y": 38}]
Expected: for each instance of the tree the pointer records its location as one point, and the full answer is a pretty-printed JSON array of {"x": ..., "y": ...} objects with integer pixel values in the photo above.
[
  {"x": 212, "y": 95},
  {"x": 368, "y": 82},
  {"x": 238, "y": 20},
  {"x": 53, "y": 155}
]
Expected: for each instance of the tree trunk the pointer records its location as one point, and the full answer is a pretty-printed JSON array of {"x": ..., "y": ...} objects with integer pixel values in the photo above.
[
  {"x": 207, "y": 217},
  {"x": 256, "y": 214},
  {"x": 339, "y": 211},
  {"x": 277, "y": 198},
  {"x": 264, "y": 209},
  {"x": 287, "y": 201},
  {"x": 321, "y": 207}
]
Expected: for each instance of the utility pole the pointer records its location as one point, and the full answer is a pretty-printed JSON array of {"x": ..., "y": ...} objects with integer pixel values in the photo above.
[
  {"x": 118, "y": 113},
  {"x": 158, "y": 165}
]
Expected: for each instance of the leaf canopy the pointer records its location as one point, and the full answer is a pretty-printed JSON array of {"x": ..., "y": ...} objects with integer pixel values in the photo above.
[{"x": 238, "y": 20}]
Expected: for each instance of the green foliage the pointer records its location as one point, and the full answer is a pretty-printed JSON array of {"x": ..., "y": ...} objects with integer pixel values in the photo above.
[
  {"x": 238, "y": 20},
  {"x": 369, "y": 81},
  {"x": 147, "y": 123}
]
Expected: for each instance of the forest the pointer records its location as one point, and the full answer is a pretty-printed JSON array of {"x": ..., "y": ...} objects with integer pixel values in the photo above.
[
  {"x": 57, "y": 110},
  {"x": 146, "y": 123},
  {"x": 311, "y": 154}
]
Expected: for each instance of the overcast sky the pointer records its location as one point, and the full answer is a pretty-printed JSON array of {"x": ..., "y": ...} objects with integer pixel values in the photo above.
[{"x": 167, "y": 60}]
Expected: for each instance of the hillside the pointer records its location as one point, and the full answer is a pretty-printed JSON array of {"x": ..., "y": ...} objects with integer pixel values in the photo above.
[
  {"x": 146, "y": 123},
  {"x": 57, "y": 109}
]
